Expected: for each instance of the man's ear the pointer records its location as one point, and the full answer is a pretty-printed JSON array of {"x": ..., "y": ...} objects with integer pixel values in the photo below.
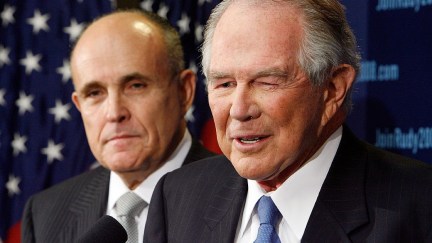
[
  {"x": 187, "y": 88},
  {"x": 336, "y": 90},
  {"x": 76, "y": 101}
]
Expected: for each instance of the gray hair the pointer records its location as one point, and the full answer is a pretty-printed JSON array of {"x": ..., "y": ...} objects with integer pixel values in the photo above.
[
  {"x": 171, "y": 38},
  {"x": 328, "y": 39}
]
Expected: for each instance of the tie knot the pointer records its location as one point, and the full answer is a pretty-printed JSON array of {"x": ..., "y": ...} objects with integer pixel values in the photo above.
[
  {"x": 130, "y": 204},
  {"x": 268, "y": 213}
]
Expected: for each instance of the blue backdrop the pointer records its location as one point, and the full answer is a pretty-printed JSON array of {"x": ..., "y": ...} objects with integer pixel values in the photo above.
[{"x": 392, "y": 99}]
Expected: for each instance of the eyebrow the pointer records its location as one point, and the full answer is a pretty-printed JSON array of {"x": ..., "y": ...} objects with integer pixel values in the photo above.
[
  {"x": 217, "y": 75},
  {"x": 88, "y": 86},
  {"x": 276, "y": 72},
  {"x": 135, "y": 75}
]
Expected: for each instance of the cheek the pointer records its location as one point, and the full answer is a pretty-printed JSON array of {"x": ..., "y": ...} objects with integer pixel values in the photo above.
[
  {"x": 220, "y": 113},
  {"x": 219, "y": 110},
  {"x": 93, "y": 126}
]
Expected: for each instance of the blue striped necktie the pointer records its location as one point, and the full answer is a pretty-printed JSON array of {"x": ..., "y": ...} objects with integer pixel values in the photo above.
[{"x": 268, "y": 215}]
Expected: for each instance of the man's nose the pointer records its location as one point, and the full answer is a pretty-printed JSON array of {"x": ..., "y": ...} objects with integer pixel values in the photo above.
[
  {"x": 244, "y": 105},
  {"x": 116, "y": 110}
]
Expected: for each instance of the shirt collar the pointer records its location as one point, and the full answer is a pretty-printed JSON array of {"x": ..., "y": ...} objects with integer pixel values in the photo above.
[
  {"x": 145, "y": 190},
  {"x": 296, "y": 197}
]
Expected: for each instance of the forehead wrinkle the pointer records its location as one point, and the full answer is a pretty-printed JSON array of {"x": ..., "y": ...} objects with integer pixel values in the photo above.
[
  {"x": 132, "y": 76},
  {"x": 267, "y": 72}
]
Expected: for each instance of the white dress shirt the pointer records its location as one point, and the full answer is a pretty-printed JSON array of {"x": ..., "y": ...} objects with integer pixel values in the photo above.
[
  {"x": 295, "y": 198},
  {"x": 145, "y": 190}
]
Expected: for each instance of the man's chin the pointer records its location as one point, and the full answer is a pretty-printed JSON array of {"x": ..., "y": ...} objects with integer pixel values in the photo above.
[
  {"x": 121, "y": 166},
  {"x": 254, "y": 170}
]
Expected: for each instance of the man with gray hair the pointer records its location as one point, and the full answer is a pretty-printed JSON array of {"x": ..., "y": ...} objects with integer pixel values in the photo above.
[
  {"x": 280, "y": 75},
  {"x": 133, "y": 92}
]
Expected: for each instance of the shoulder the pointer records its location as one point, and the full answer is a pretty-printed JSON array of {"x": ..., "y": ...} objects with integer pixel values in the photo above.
[
  {"x": 386, "y": 171},
  {"x": 394, "y": 166},
  {"x": 68, "y": 189},
  {"x": 210, "y": 173},
  {"x": 378, "y": 159},
  {"x": 384, "y": 175},
  {"x": 211, "y": 166},
  {"x": 49, "y": 212}
]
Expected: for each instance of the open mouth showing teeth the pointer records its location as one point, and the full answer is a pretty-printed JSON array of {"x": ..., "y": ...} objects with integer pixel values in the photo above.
[{"x": 250, "y": 140}]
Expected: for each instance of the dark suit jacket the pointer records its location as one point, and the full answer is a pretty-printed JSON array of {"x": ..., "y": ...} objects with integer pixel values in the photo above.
[
  {"x": 66, "y": 211},
  {"x": 369, "y": 195}
]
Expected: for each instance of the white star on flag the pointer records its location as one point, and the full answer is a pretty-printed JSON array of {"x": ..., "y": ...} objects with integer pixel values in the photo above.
[
  {"x": 39, "y": 21},
  {"x": 189, "y": 114},
  {"x": 74, "y": 30},
  {"x": 12, "y": 185},
  {"x": 2, "y": 97},
  {"x": 65, "y": 71},
  {"x": 163, "y": 10},
  {"x": 183, "y": 24},
  {"x": 24, "y": 103},
  {"x": 60, "y": 111},
  {"x": 31, "y": 62},
  {"x": 7, "y": 15},
  {"x": 147, "y": 5},
  {"x": 18, "y": 144},
  {"x": 199, "y": 29},
  {"x": 4, "y": 56},
  {"x": 52, "y": 151}
]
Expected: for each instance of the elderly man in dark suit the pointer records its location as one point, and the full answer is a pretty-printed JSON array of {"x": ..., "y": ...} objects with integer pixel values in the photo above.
[
  {"x": 133, "y": 92},
  {"x": 280, "y": 74}
]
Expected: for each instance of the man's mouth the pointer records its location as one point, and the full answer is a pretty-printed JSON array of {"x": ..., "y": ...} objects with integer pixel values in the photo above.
[{"x": 251, "y": 140}]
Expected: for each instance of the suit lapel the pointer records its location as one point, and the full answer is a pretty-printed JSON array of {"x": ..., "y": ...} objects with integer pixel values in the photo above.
[
  {"x": 226, "y": 205},
  {"x": 90, "y": 205},
  {"x": 341, "y": 204}
]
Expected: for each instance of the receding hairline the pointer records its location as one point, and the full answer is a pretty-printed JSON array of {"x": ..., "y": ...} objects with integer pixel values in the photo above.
[
  {"x": 162, "y": 30},
  {"x": 115, "y": 17}
]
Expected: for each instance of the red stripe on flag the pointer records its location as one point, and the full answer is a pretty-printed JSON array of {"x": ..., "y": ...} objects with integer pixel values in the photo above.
[{"x": 14, "y": 234}]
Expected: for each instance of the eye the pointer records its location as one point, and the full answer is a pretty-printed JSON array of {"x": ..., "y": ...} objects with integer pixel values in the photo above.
[
  {"x": 92, "y": 93},
  {"x": 137, "y": 85},
  {"x": 223, "y": 84},
  {"x": 227, "y": 84},
  {"x": 268, "y": 82}
]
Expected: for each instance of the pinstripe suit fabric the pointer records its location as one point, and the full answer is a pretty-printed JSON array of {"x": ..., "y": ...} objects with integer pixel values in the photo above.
[
  {"x": 66, "y": 211},
  {"x": 369, "y": 195}
]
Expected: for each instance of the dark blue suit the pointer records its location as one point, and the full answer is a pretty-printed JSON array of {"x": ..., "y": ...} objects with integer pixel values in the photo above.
[
  {"x": 66, "y": 211},
  {"x": 369, "y": 195}
]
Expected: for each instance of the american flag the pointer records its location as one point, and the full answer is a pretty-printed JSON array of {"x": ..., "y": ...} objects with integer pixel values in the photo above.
[{"x": 42, "y": 140}]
